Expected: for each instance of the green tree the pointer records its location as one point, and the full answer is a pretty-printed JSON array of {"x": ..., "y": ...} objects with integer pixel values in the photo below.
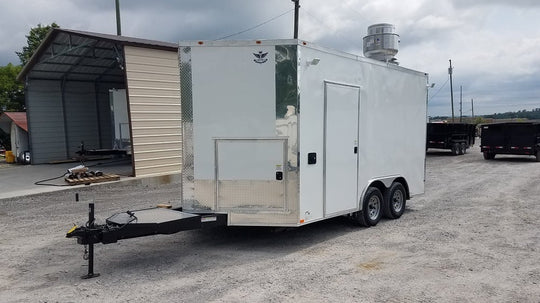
[
  {"x": 34, "y": 39},
  {"x": 11, "y": 91}
]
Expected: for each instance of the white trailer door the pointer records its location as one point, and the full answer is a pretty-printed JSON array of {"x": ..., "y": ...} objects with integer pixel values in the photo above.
[
  {"x": 341, "y": 148},
  {"x": 251, "y": 174}
]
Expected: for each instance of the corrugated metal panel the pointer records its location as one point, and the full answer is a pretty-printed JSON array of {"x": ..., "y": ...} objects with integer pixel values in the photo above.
[
  {"x": 45, "y": 121},
  {"x": 81, "y": 116},
  {"x": 149, "y": 148},
  {"x": 153, "y": 82}
]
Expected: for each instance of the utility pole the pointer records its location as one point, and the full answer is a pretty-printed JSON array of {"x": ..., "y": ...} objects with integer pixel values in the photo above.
[
  {"x": 460, "y": 104},
  {"x": 296, "y": 11},
  {"x": 451, "y": 89},
  {"x": 472, "y": 107},
  {"x": 118, "y": 26}
]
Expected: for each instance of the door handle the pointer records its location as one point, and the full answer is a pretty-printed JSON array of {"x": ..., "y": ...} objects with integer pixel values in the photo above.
[
  {"x": 312, "y": 158},
  {"x": 356, "y": 149}
]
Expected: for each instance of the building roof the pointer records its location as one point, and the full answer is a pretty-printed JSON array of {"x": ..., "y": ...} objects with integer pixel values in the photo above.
[
  {"x": 68, "y": 54},
  {"x": 18, "y": 117}
]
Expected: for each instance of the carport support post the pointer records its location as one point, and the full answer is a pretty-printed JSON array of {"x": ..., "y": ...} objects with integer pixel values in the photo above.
[{"x": 91, "y": 220}]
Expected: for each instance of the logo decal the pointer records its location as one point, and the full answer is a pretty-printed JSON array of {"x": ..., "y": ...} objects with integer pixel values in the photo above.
[{"x": 260, "y": 57}]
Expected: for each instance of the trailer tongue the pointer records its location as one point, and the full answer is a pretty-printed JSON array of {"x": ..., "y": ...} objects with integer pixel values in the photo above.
[
  {"x": 138, "y": 223},
  {"x": 144, "y": 222}
]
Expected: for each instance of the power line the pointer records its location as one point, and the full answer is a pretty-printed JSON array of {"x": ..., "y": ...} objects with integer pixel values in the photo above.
[
  {"x": 254, "y": 27},
  {"x": 435, "y": 94}
]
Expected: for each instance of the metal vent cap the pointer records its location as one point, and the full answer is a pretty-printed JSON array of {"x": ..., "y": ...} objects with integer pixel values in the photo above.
[{"x": 381, "y": 42}]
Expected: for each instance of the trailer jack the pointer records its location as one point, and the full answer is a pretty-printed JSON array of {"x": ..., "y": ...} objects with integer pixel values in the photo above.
[{"x": 137, "y": 223}]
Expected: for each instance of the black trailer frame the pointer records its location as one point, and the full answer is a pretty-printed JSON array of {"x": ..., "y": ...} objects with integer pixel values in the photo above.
[
  {"x": 511, "y": 138},
  {"x": 138, "y": 223},
  {"x": 457, "y": 137}
]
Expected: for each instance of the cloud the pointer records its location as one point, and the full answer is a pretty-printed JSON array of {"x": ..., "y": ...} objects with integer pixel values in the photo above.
[
  {"x": 507, "y": 3},
  {"x": 493, "y": 44}
]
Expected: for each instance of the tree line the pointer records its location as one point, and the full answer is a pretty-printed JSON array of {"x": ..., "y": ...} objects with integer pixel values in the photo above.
[
  {"x": 11, "y": 90},
  {"x": 524, "y": 114},
  {"x": 520, "y": 114}
]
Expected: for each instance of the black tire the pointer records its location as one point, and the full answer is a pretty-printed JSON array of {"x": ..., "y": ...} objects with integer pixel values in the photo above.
[
  {"x": 395, "y": 199},
  {"x": 489, "y": 156},
  {"x": 372, "y": 206},
  {"x": 455, "y": 149},
  {"x": 460, "y": 149},
  {"x": 537, "y": 156},
  {"x": 464, "y": 148}
]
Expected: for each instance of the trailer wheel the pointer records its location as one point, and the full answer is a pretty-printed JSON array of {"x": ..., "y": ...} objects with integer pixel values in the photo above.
[
  {"x": 394, "y": 201},
  {"x": 489, "y": 156},
  {"x": 455, "y": 149},
  {"x": 460, "y": 149},
  {"x": 372, "y": 205},
  {"x": 537, "y": 156},
  {"x": 463, "y": 148}
]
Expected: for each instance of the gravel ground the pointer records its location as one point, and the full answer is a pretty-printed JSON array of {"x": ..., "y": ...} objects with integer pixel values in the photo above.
[{"x": 474, "y": 236}]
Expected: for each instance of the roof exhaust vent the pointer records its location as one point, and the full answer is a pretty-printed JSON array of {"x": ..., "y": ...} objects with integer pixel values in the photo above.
[{"x": 381, "y": 43}]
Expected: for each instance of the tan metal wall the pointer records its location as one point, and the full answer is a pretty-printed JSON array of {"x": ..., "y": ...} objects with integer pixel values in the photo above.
[{"x": 153, "y": 83}]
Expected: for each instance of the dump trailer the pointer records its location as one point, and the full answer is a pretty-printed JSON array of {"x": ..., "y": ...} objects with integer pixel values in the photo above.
[
  {"x": 511, "y": 138},
  {"x": 457, "y": 137},
  {"x": 284, "y": 133}
]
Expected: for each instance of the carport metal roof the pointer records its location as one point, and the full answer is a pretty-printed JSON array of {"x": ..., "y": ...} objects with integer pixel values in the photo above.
[
  {"x": 18, "y": 117},
  {"x": 71, "y": 55}
]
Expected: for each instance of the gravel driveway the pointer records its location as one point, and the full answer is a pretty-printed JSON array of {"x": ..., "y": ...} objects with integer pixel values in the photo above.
[{"x": 474, "y": 236}]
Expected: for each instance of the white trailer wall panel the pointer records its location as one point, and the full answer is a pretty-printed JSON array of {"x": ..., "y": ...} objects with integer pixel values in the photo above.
[
  {"x": 45, "y": 121},
  {"x": 153, "y": 83},
  {"x": 391, "y": 126}
]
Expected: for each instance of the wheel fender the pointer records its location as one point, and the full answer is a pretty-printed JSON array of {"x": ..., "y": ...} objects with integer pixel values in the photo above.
[{"x": 383, "y": 184}]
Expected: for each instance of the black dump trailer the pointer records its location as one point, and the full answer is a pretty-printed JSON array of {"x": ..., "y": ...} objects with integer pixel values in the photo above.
[
  {"x": 457, "y": 137},
  {"x": 512, "y": 138}
]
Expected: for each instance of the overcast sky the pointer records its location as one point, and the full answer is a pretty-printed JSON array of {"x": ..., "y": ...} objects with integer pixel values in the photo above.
[{"x": 494, "y": 44}]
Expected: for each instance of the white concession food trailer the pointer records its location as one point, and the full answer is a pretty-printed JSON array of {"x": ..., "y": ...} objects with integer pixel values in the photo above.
[{"x": 285, "y": 133}]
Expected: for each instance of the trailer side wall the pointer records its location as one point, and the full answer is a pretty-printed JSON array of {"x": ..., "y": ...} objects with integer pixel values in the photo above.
[{"x": 389, "y": 137}]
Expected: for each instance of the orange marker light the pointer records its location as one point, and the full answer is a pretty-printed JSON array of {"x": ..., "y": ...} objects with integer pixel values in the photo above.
[
  {"x": 301, "y": 220},
  {"x": 201, "y": 43},
  {"x": 258, "y": 42}
]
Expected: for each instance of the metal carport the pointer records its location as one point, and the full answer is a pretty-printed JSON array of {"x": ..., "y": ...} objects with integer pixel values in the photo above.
[{"x": 67, "y": 88}]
